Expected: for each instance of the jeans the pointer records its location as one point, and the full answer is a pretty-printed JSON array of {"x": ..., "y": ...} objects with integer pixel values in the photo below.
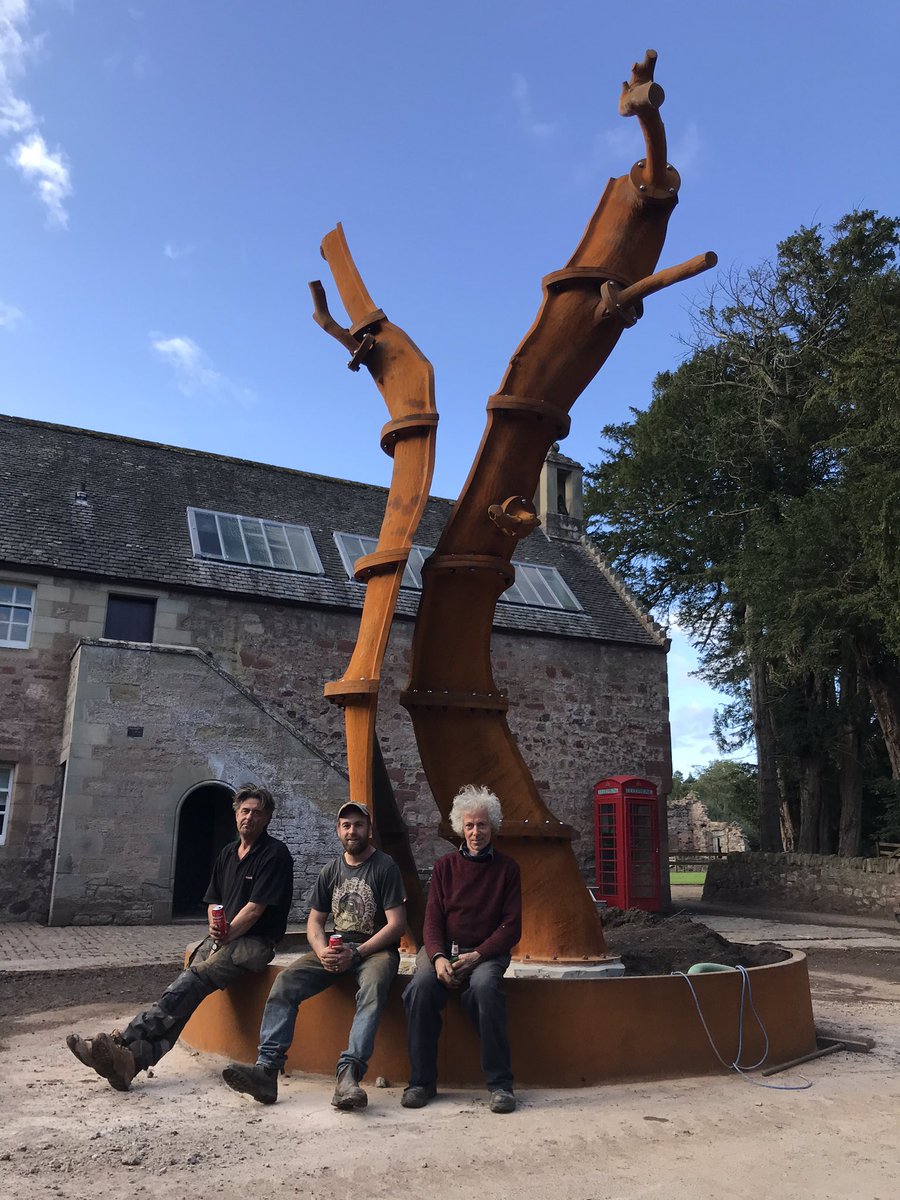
[
  {"x": 154, "y": 1032},
  {"x": 483, "y": 1001},
  {"x": 306, "y": 977}
]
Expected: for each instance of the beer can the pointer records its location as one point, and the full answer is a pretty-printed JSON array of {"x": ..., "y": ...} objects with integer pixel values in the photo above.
[
  {"x": 335, "y": 941},
  {"x": 218, "y": 920}
]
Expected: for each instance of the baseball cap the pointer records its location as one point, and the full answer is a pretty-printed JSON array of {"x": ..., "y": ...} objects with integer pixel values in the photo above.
[{"x": 352, "y": 804}]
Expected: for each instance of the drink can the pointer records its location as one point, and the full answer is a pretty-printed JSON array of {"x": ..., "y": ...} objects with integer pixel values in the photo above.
[
  {"x": 335, "y": 941},
  {"x": 218, "y": 920}
]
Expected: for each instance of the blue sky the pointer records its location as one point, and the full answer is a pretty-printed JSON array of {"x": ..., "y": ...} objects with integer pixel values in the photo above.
[{"x": 168, "y": 169}]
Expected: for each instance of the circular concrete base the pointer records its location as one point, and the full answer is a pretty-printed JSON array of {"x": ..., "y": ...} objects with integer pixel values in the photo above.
[{"x": 563, "y": 1032}]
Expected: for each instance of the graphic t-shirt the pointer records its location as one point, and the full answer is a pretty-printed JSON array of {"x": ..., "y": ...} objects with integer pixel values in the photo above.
[{"x": 357, "y": 897}]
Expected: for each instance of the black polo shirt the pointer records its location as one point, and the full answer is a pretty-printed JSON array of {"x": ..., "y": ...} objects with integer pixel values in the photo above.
[{"x": 264, "y": 876}]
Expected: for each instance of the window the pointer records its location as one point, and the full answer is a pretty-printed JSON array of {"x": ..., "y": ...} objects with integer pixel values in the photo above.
[
  {"x": 130, "y": 618},
  {"x": 537, "y": 586},
  {"x": 16, "y": 612},
  {"x": 542, "y": 586},
  {"x": 353, "y": 547},
  {"x": 254, "y": 542},
  {"x": 6, "y": 779}
]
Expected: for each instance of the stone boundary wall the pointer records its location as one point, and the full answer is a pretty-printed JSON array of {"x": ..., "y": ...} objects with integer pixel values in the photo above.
[{"x": 807, "y": 883}]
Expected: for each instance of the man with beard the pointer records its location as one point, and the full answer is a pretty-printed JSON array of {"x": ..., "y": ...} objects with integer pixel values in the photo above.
[
  {"x": 363, "y": 890},
  {"x": 253, "y": 879}
]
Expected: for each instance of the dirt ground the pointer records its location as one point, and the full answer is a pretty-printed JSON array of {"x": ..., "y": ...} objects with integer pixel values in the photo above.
[{"x": 182, "y": 1133}]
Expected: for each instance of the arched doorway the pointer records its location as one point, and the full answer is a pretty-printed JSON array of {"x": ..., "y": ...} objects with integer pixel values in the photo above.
[{"x": 205, "y": 825}]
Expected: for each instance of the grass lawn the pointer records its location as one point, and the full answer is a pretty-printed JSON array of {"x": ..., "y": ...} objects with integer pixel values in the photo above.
[{"x": 686, "y": 877}]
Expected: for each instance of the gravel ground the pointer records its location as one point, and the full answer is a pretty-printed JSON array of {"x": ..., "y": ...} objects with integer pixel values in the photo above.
[{"x": 182, "y": 1133}]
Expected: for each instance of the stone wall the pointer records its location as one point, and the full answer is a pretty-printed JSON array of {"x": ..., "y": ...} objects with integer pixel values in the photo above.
[
  {"x": 807, "y": 883},
  {"x": 149, "y": 725},
  {"x": 580, "y": 710}
]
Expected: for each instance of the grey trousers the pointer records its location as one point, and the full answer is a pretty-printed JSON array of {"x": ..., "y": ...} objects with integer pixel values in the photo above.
[{"x": 154, "y": 1032}]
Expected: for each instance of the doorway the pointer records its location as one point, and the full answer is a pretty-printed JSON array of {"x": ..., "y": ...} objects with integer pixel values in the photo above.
[{"x": 205, "y": 825}]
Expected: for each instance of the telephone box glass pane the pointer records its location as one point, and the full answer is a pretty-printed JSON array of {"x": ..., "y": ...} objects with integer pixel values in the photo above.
[
  {"x": 606, "y": 868},
  {"x": 643, "y": 884}
]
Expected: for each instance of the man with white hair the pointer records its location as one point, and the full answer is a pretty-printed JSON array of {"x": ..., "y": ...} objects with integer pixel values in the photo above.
[{"x": 473, "y": 919}]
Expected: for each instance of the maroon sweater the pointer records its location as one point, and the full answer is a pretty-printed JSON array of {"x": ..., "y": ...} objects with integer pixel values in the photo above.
[{"x": 477, "y": 904}]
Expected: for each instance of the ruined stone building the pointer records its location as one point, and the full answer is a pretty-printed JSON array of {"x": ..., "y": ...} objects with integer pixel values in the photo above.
[
  {"x": 692, "y": 831},
  {"x": 167, "y": 621}
]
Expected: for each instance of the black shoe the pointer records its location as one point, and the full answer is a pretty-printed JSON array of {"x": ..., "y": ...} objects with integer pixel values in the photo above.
[
  {"x": 347, "y": 1092},
  {"x": 503, "y": 1101},
  {"x": 418, "y": 1097},
  {"x": 259, "y": 1082}
]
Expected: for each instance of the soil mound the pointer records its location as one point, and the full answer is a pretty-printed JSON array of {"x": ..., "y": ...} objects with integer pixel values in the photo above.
[{"x": 653, "y": 944}]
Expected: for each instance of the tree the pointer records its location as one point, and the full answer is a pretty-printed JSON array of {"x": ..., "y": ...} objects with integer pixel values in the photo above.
[
  {"x": 758, "y": 497},
  {"x": 727, "y": 790}
]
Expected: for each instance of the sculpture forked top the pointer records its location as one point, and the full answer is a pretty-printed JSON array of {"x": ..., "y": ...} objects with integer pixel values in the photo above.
[{"x": 641, "y": 97}]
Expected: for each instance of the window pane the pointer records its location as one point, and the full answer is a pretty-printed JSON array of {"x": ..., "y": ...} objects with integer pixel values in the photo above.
[
  {"x": 18, "y": 633},
  {"x": 257, "y": 547},
  {"x": 207, "y": 534},
  {"x": 278, "y": 545},
  {"x": 558, "y": 587},
  {"x": 525, "y": 585},
  {"x": 232, "y": 542},
  {"x": 417, "y": 556},
  {"x": 7, "y": 594},
  {"x": 301, "y": 543},
  {"x": 537, "y": 581}
]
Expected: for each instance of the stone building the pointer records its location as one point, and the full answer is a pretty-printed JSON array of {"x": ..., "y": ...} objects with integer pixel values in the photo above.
[
  {"x": 692, "y": 831},
  {"x": 167, "y": 621}
]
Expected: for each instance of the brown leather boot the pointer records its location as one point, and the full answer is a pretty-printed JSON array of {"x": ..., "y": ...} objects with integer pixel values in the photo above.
[
  {"x": 114, "y": 1061},
  {"x": 347, "y": 1092}
]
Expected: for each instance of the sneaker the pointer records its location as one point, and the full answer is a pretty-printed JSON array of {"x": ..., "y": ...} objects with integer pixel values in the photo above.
[
  {"x": 259, "y": 1082},
  {"x": 503, "y": 1101},
  {"x": 347, "y": 1092},
  {"x": 113, "y": 1060},
  {"x": 418, "y": 1096}
]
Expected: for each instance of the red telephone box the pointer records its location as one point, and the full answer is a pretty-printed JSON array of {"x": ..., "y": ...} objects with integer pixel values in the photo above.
[{"x": 626, "y": 842}]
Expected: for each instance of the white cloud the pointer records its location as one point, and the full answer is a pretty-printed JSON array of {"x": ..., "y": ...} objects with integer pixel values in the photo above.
[
  {"x": 194, "y": 373},
  {"x": 170, "y": 250},
  {"x": 685, "y": 151},
  {"x": 521, "y": 95},
  {"x": 49, "y": 171},
  {"x": 10, "y": 316}
]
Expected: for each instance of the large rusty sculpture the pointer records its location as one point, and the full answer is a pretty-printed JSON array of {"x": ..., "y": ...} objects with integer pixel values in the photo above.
[{"x": 457, "y": 710}]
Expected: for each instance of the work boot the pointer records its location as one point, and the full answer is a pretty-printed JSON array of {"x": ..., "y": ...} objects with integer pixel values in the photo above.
[
  {"x": 114, "y": 1060},
  {"x": 259, "y": 1082},
  {"x": 83, "y": 1049},
  {"x": 347, "y": 1092},
  {"x": 418, "y": 1096},
  {"x": 503, "y": 1101}
]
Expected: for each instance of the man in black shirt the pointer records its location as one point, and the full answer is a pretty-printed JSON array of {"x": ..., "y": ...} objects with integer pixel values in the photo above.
[
  {"x": 362, "y": 890},
  {"x": 253, "y": 878}
]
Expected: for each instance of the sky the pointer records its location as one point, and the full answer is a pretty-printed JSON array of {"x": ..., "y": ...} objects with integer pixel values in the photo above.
[{"x": 168, "y": 169}]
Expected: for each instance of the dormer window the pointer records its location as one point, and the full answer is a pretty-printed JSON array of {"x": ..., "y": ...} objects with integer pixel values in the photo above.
[
  {"x": 537, "y": 586},
  {"x": 253, "y": 542}
]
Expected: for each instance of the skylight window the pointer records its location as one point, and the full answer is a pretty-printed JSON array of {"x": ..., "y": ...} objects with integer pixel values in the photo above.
[
  {"x": 253, "y": 542},
  {"x": 535, "y": 586}
]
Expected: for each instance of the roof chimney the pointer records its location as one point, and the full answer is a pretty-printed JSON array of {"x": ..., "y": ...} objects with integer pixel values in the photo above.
[{"x": 559, "y": 500}]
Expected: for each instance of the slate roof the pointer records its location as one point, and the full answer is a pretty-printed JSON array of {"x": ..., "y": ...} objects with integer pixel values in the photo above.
[{"x": 130, "y": 524}]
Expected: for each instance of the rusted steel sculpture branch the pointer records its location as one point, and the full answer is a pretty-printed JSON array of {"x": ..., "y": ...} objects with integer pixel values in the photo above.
[
  {"x": 405, "y": 378},
  {"x": 457, "y": 710}
]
